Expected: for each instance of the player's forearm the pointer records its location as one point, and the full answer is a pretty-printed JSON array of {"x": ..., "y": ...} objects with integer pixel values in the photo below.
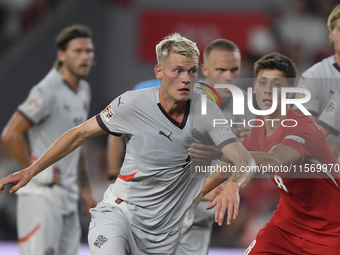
[
  {"x": 115, "y": 155},
  {"x": 244, "y": 165},
  {"x": 267, "y": 159},
  {"x": 245, "y": 169},
  {"x": 18, "y": 148},
  {"x": 62, "y": 147},
  {"x": 213, "y": 181},
  {"x": 83, "y": 180}
]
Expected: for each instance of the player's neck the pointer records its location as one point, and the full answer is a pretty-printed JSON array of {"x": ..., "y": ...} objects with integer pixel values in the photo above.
[
  {"x": 175, "y": 109},
  {"x": 224, "y": 101},
  {"x": 273, "y": 122},
  {"x": 337, "y": 58},
  {"x": 71, "y": 79}
]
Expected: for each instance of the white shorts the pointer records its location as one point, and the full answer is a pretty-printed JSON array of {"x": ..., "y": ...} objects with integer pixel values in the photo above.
[
  {"x": 110, "y": 233},
  {"x": 195, "y": 239},
  {"x": 43, "y": 228}
]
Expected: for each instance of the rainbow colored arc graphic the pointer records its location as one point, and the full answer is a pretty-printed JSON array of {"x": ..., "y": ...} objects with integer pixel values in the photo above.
[{"x": 209, "y": 93}]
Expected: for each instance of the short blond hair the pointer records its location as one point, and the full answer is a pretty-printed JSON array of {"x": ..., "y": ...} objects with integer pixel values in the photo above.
[
  {"x": 333, "y": 17},
  {"x": 178, "y": 44}
]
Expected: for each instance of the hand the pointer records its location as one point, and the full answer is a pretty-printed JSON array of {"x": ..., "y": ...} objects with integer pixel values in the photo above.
[
  {"x": 201, "y": 152},
  {"x": 90, "y": 202},
  {"x": 20, "y": 179},
  {"x": 214, "y": 193},
  {"x": 228, "y": 199},
  {"x": 241, "y": 132}
]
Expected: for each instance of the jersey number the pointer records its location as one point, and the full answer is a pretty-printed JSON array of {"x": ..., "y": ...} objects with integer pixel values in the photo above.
[
  {"x": 251, "y": 246},
  {"x": 279, "y": 182}
]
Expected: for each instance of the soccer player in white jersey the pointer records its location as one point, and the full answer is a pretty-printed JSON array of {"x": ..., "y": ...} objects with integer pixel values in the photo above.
[
  {"x": 323, "y": 78},
  {"x": 156, "y": 191},
  {"x": 222, "y": 63},
  {"x": 47, "y": 211}
]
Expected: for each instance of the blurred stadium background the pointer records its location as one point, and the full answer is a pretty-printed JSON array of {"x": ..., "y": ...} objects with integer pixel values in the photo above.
[{"x": 126, "y": 32}]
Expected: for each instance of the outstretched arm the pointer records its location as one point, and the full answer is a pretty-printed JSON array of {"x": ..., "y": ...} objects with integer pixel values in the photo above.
[
  {"x": 229, "y": 199},
  {"x": 67, "y": 143},
  {"x": 281, "y": 154}
]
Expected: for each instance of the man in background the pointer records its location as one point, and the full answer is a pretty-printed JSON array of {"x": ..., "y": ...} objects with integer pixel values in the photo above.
[{"x": 47, "y": 210}]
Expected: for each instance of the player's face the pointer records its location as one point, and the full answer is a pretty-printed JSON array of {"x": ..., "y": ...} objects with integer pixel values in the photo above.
[
  {"x": 225, "y": 66},
  {"x": 78, "y": 56},
  {"x": 335, "y": 35},
  {"x": 178, "y": 74},
  {"x": 263, "y": 88}
]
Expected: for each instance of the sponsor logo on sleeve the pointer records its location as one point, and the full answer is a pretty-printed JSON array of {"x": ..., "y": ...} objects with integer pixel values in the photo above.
[
  {"x": 296, "y": 138},
  {"x": 108, "y": 113},
  {"x": 330, "y": 107},
  {"x": 224, "y": 130},
  {"x": 34, "y": 103}
]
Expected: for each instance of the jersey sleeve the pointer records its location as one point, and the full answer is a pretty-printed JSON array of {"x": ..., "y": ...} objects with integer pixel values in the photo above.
[
  {"x": 313, "y": 85},
  {"x": 38, "y": 105},
  {"x": 119, "y": 116},
  {"x": 219, "y": 131},
  {"x": 330, "y": 116},
  {"x": 303, "y": 139}
]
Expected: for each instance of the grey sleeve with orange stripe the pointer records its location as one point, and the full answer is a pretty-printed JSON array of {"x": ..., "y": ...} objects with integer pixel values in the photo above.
[
  {"x": 118, "y": 117},
  {"x": 330, "y": 116}
]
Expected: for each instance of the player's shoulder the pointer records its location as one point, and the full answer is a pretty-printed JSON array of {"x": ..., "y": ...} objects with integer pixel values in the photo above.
[
  {"x": 52, "y": 81},
  {"x": 139, "y": 97},
  {"x": 303, "y": 123},
  {"x": 319, "y": 70},
  {"x": 85, "y": 84},
  {"x": 49, "y": 85}
]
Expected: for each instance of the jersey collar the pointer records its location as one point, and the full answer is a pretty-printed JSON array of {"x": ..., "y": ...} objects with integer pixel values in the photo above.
[{"x": 181, "y": 124}]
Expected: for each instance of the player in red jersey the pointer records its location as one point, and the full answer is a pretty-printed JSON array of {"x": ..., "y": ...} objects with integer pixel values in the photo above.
[{"x": 307, "y": 218}]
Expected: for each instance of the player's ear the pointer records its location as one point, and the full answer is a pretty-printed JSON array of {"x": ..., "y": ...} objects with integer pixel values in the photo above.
[
  {"x": 254, "y": 86},
  {"x": 205, "y": 70},
  {"x": 61, "y": 55},
  {"x": 158, "y": 71},
  {"x": 331, "y": 35}
]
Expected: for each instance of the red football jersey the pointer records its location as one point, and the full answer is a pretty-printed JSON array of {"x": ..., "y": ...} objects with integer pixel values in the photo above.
[{"x": 309, "y": 207}]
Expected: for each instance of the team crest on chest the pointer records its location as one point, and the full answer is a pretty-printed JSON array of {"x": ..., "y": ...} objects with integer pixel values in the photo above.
[{"x": 108, "y": 113}]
